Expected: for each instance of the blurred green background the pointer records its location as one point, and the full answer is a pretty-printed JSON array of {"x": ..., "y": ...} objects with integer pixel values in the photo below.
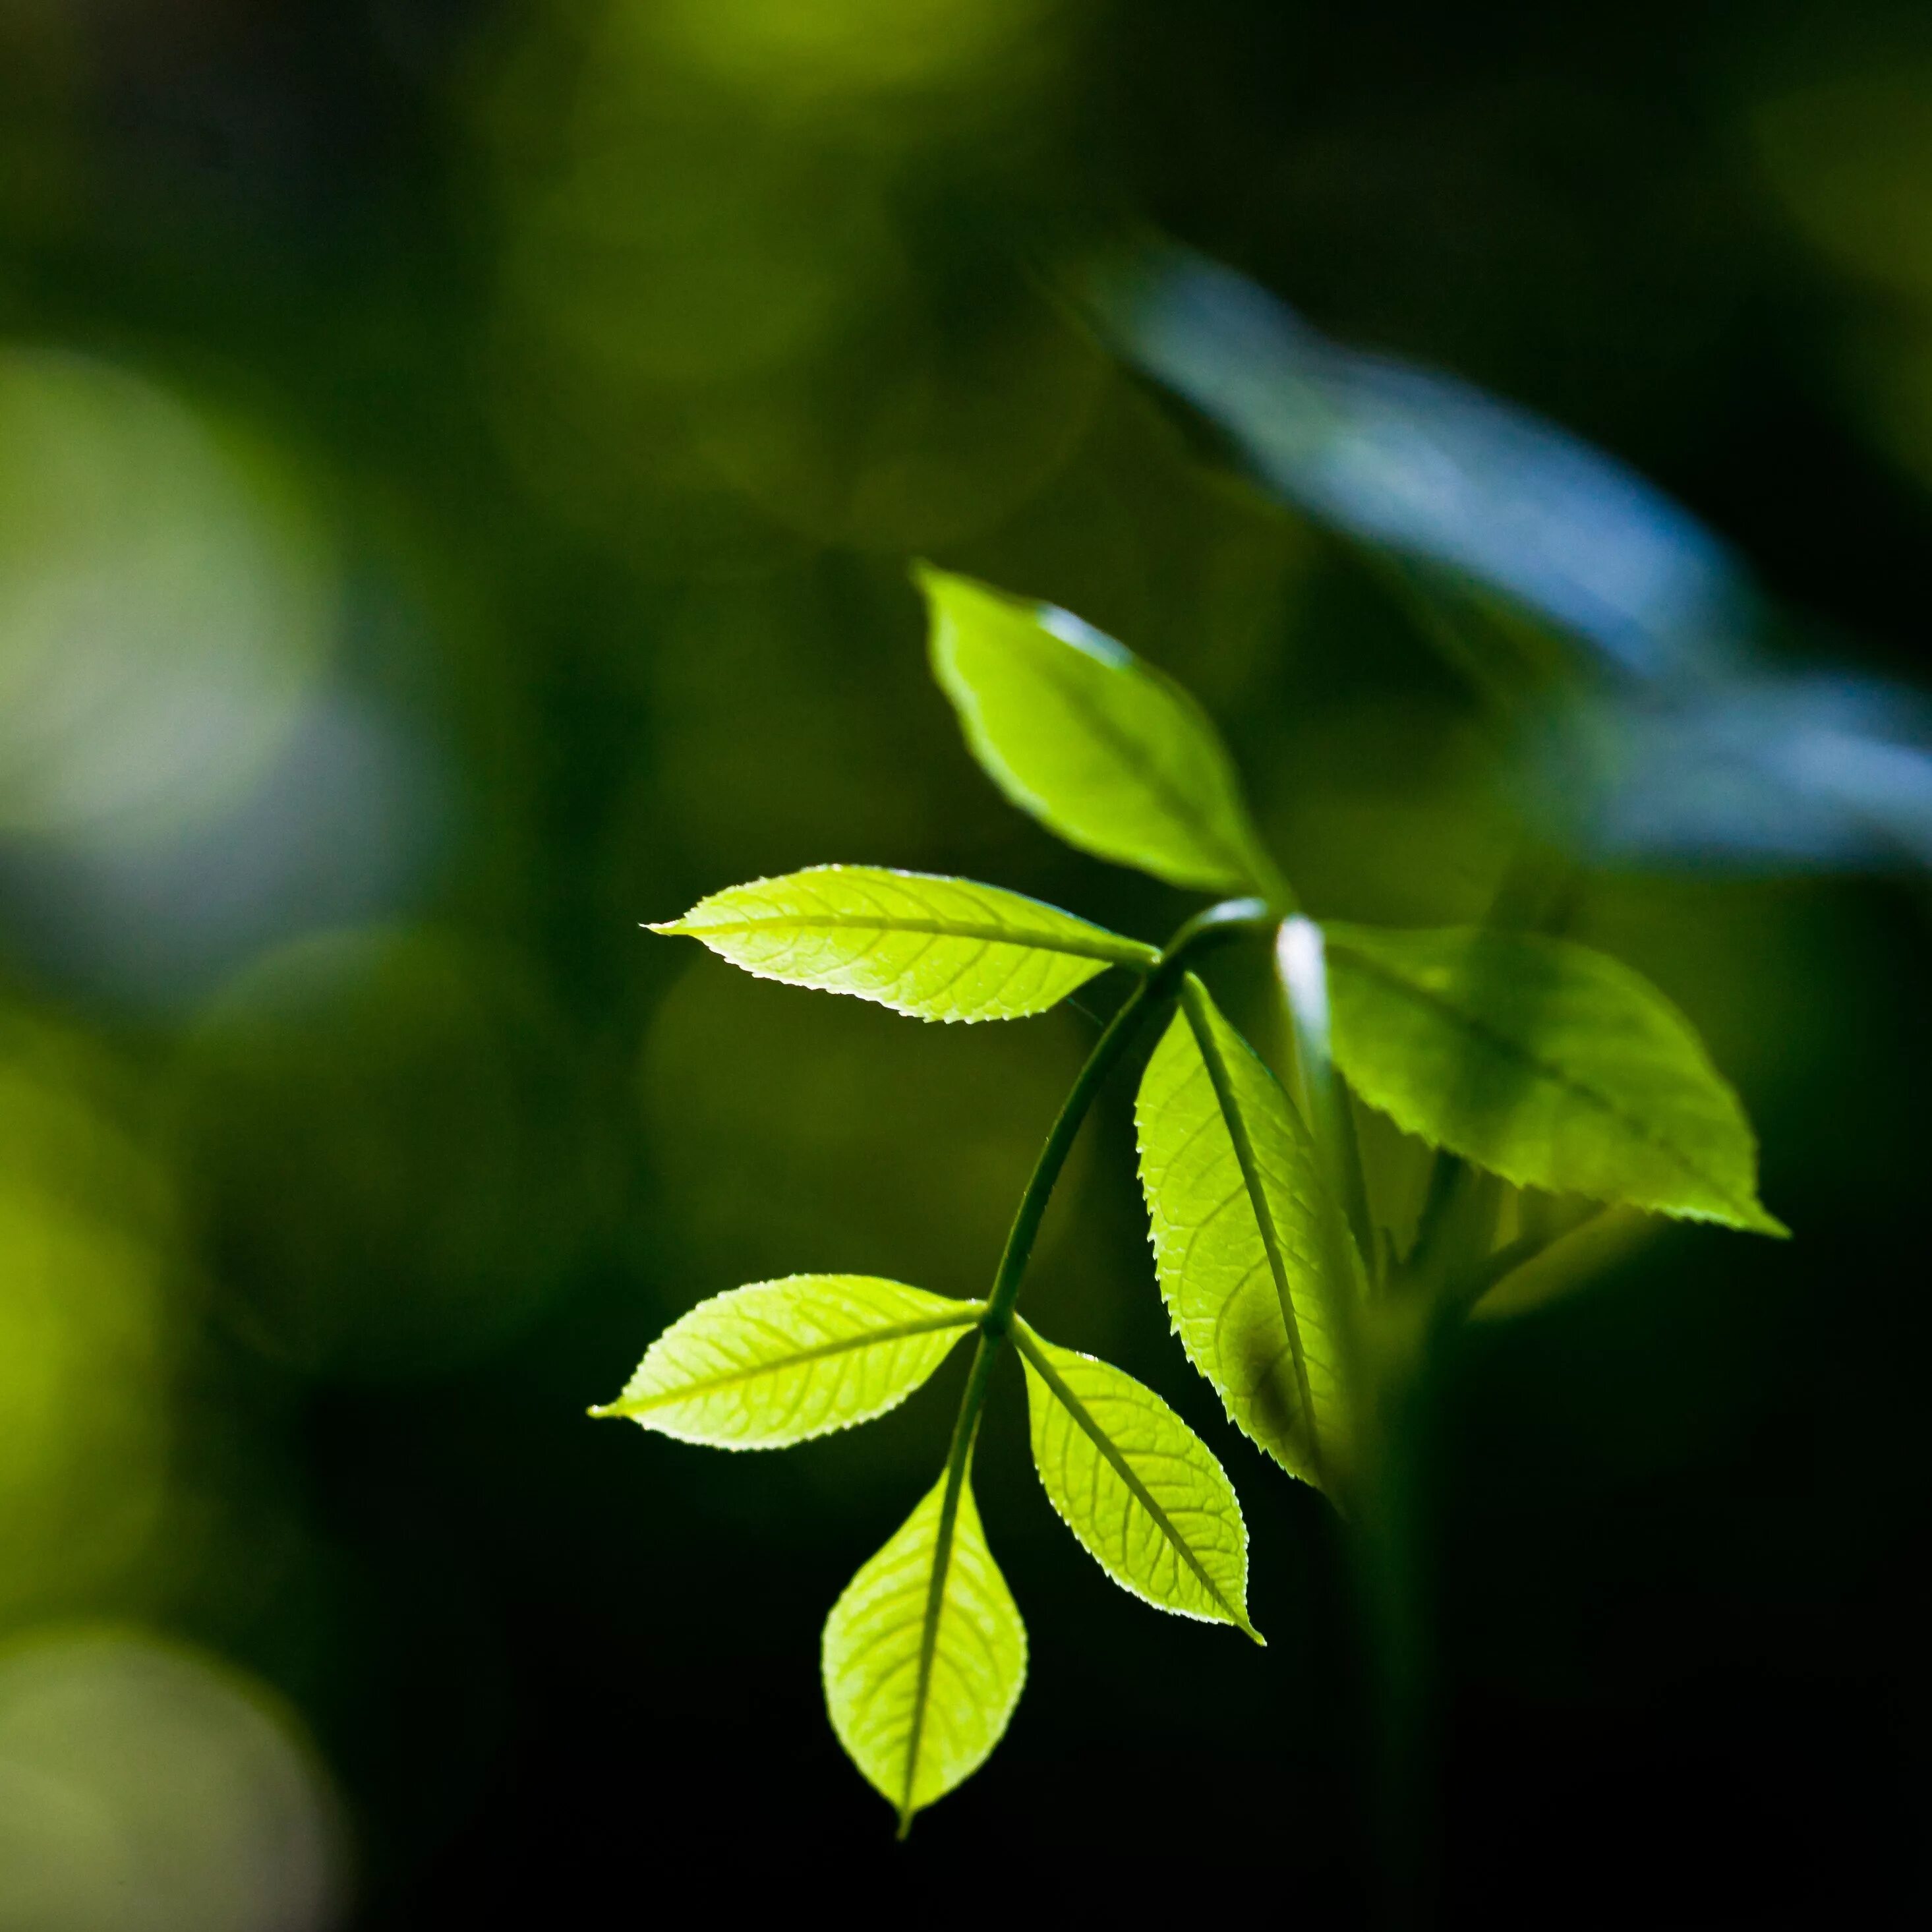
[{"x": 458, "y": 465}]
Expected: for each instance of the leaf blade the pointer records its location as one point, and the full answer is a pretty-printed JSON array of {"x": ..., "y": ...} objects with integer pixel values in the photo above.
[
  {"x": 1143, "y": 1495},
  {"x": 1246, "y": 1239},
  {"x": 930, "y": 947},
  {"x": 1101, "y": 747},
  {"x": 779, "y": 1362},
  {"x": 1546, "y": 1062},
  {"x": 924, "y": 1655}
]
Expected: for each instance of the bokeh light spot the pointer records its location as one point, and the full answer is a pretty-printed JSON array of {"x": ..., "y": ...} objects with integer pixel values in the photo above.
[
  {"x": 145, "y": 1788},
  {"x": 162, "y": 611}
]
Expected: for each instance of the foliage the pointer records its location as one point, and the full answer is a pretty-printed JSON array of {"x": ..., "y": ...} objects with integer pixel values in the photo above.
[
  {"x": 1548, "y": 1063},
  {"x": 1523, "y": 1057},
  {"x": 936, "y": 949},
  {"x": 1242, "y": 1237}
]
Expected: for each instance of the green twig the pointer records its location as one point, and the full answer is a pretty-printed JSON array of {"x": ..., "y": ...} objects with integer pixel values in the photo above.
[{"x": 1229, "y": 919}]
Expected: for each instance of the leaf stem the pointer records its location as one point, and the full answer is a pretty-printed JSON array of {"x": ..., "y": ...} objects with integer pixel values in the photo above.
[
  {"x": 1302, "y": 967},
  {"x": 1229, "y": 919},
  {"x": 1226, "y": 920}
]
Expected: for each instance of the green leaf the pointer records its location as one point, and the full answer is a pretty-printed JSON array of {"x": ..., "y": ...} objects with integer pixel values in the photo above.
[
  {"x": 1100, "y": 747},
  {"x": 1546, "y": 1062},
  {"x": 776, "y": 1363},
  {"x": 925, "y": 1656},
  {"x": 1253, "y": 1263},
  {"x": 1602, "y": 1238},
  {"x": 1141, "y": 1492},
  {"x": 937, "y": 949}
]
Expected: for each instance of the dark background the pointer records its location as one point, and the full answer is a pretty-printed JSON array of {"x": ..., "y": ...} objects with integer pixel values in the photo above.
[{"x": 609, "y": 361}]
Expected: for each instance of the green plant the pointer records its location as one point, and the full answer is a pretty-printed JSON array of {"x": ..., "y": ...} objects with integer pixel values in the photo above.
[{"x": 1528, "y": 1063}]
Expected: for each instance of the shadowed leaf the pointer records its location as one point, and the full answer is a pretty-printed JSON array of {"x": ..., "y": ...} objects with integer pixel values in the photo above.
[
  {"x": 1552, "y": 1065},
  {"x": 1246, "y": 1240}
]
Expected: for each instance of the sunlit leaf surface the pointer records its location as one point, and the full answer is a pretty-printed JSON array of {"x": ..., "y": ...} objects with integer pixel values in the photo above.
[
  {"x": 922, "y": 1682},
  {"x": 1245, "y": 1238},
  {"x": 1144, "y": 1495},
  {"x": 936, "y": 948},
  {"x": 779, "y": 1361},
  {"x": 1545, "y": 1062},
  {"x": 1099, "y": 747}
]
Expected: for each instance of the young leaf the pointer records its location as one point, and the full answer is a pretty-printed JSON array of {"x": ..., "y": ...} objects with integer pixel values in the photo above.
[
  {"x": 1546, "y": 1062},
  {"x": 936, "y": 949},
  {"x": 925, "y": 1656},
  {"x": 1100, "y": 747},
  {"x": 1141, "y": 1492},
  {"x": 772, "y": 1364},
  {"x": 1253, "y": 1264}
]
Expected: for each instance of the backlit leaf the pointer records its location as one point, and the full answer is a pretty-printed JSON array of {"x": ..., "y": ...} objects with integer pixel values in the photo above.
[
  {"x": 1247, "y": 1243},
  {"x": 936, "y": 948},
  {"x": 1100, "y": 747},
  {"x": 1143, "y": 1494},
  {"x": 925, "y": 1656},
  {"x": 775, "y": 1363},
  {"x": 1552, "y": 1065}
]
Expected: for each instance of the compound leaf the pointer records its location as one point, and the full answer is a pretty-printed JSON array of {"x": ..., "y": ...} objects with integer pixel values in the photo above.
[
  {"x": 777, "y": 1362},
  {"x": 937, "y": 949},
  {"x": 1100, "y": 747},
  {"x": 925, "y": 1655},
  {"x": 1257, "y": 1275},
  {"x": 1552, "y": 1065},
  {"x": 1141, "y": 1492}
]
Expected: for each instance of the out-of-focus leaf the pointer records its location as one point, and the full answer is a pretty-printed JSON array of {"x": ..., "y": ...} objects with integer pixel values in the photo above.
[
  {"x": 1600, "y": 1240},
  {"x": 1545, "y": 1062},
  {"x": 1144, "y": 1496},
  {"x": 1098, "y": 746},
  {"x": 1247, "y": 1242},
  {"x": 773, "y": 1364},
  {"x": 1525, "y": 552},
  {"x": 1435, "y": 469},
  {"x": 937, "y": 949},
  {"x": 925, "y": 1656}
]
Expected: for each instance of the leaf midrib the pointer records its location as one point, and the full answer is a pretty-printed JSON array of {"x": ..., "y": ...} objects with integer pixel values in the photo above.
[
  {"x": 944, "y": 1535},
  {"x": 1116, "y": 952},
  {"x": 969, "y": 1312}
]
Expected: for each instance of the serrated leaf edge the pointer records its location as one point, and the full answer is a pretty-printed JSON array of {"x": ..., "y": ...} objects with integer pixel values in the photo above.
[
  {"x": 944, "y": 1538},
  {"x": 1027, "y": 1340},
  {"x": 638, "y": 1409},
  {"x": 1108, "y": 948},
  {"x": 1751, "y": 1217}
]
